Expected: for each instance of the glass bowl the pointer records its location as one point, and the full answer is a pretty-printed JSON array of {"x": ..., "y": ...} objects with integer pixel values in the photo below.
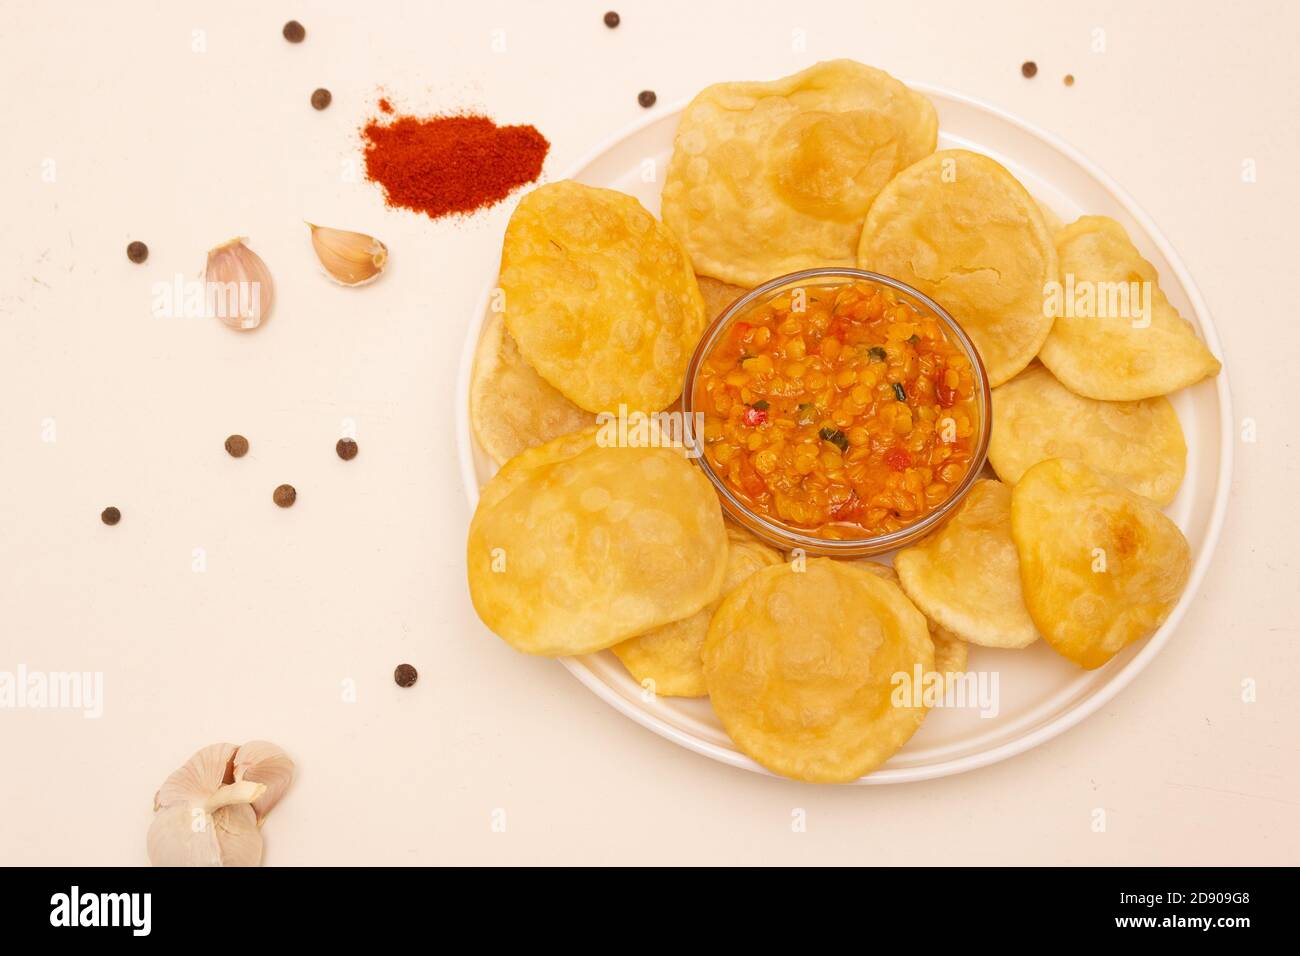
[{"x": 788, "y": 538}]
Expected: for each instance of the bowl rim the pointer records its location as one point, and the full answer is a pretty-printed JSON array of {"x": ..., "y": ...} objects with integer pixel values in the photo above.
[{"x": 789, "y": 538}]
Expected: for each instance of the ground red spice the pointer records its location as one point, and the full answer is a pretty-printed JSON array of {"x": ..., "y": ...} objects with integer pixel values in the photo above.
[
  {"x": 448, "y": 165},
  {"x": 385, "y": 106}
]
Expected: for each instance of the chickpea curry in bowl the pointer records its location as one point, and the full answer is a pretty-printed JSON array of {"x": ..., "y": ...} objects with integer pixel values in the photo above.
[{"x": 838, "y": 411}]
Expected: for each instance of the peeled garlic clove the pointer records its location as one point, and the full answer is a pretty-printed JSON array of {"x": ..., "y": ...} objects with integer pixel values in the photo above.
[
  {"x": 352, "y": 258},
  {"x": 237, "y": 286},
  {"x": 260, "y": 762},
  {"x": 206, "y": 812}
]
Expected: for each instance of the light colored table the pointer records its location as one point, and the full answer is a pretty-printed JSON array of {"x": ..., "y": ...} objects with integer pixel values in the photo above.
[{"x": 153, "y": 140}]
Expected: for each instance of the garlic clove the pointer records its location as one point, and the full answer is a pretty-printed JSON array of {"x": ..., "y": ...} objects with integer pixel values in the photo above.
[
  {"x": 185, "y": 836},
  {"x": 351, "y": 258},
  {"x": 237, "y": 286},
  {"x": 200, "y": 777},
  {"x": 242, "y": 793},
  {"x": 238, "y": 836},
  {"x": 182, "y": 836},
  {"x": 264, "y": 763}
]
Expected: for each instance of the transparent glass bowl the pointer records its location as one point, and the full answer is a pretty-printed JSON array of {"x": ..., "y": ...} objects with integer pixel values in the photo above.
[{"x": 788, "y": 538}]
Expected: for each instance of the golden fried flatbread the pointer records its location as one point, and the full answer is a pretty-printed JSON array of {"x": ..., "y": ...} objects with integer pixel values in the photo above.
[
  {"x": 600, "y": 297},
  {"x": 966, "y": 575},
  {"x": 950, "y": 651},
  {"x": 576, "y": 546},
  {"x": 511, "y": 407},
  {"x": 717, "y": 296},
  {"x": 1117, "y": 337},
  {"x": 1139, "y": 444},
  {"x": 1101, "y": 566},
  {"x": 668, "y": 659},
  {"x": 768, "y": 178},
  {"x": 960, "y": 228},
  {"x": 801, "y": 668}
]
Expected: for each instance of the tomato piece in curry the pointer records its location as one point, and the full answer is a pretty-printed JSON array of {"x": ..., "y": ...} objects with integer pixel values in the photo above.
[{"x": 838, "y": 411}]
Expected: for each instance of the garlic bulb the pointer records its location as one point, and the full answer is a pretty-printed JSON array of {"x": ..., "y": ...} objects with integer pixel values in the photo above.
[
  {"x": 351, "y": 258},
  {"x": 208, "y": 812},
  {"x": 237, "y": 286}
]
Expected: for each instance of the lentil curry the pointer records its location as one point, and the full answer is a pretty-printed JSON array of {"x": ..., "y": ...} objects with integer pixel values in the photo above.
[{"x": 838, "y": 411}]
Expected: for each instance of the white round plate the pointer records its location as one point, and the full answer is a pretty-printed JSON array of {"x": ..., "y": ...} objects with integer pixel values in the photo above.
[{"x": 1039, "y": 693}]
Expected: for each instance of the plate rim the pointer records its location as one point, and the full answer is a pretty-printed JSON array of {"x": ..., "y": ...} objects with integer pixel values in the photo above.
[{"x": 1058, "y": 724}]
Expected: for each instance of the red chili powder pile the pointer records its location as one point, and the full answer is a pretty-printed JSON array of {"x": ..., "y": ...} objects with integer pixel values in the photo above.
[{"x": 449, "y": 165}]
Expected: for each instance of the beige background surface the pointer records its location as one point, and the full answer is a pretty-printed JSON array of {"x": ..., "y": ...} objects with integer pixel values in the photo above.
[{"x": 151, "y": 139}]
